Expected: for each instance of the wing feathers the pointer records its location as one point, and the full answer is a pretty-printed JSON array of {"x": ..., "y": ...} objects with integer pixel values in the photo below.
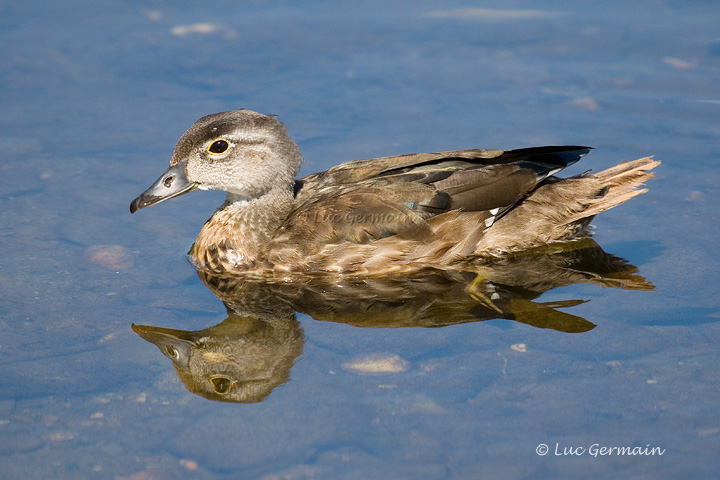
[{"x": 419, "y": 196}]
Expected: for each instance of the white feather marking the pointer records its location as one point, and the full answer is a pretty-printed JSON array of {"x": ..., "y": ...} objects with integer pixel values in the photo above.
[{"x": 489, "y": 221}]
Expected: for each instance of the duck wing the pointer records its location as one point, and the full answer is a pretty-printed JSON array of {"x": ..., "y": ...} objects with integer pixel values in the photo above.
[
  {"x": 367, "y": 200},
  {"x": 550, "y": 159}
]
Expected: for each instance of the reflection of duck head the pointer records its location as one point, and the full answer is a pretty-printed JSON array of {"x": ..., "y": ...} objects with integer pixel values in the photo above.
[{"x": 240, "y": 360}]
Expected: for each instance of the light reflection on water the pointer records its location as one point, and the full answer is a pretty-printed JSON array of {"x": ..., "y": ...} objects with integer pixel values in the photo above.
[{"x": 94, "y": 98}]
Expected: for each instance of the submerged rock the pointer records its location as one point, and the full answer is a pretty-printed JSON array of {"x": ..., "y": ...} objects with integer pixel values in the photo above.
[{"x": 112, "y": 257}]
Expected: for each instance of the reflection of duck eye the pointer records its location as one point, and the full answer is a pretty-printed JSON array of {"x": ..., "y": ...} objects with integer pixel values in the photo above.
[
  {"x": 218, "y": 147},
  {"x": 221, "y": 384},
  {"x": 172, "y": 352}
]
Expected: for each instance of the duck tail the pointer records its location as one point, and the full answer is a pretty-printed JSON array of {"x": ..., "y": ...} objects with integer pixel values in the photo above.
[
  {"x": 560, "y": 209},
  {"x": 619, "y": 184}
]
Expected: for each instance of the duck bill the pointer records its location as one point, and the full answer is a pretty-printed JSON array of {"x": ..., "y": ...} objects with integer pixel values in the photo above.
[
  {"x": 172, "y": 183},
  {"x": 174, "y": 344}
]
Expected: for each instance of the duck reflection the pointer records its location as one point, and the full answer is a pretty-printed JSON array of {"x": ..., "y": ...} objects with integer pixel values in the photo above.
[{"x": 246, "y": 356}]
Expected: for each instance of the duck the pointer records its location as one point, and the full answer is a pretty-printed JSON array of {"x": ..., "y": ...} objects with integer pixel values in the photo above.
[{"x": 448, "y": 210}]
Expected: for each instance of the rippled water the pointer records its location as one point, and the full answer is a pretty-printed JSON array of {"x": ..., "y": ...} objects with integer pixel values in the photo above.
[{"x": 95, "y": 94}]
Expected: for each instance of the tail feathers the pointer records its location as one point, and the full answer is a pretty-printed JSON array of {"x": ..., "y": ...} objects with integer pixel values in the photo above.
[
  {"x": 619, "y": 184},
  {"x": 560, "y": 209}
]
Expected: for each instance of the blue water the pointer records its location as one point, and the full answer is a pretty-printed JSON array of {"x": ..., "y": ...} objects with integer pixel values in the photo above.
[{"x": 94, "y": 96}]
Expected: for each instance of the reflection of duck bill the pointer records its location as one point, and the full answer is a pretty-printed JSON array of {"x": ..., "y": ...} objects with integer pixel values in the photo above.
[{"x": 174, "y": 344}]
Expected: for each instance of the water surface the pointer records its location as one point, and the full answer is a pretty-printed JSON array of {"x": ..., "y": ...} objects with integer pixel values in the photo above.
[{"x": 95, "y": 94}]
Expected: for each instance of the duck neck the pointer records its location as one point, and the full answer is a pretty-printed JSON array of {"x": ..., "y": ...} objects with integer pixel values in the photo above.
[{"x": 236, "y": 235}]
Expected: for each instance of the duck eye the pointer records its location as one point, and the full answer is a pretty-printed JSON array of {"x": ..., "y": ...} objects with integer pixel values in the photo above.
[
  {"x": 218, "y": 147},
  {"x": 221, "y": 384}
]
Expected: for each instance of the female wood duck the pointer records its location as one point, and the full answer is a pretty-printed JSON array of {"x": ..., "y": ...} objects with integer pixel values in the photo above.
[{"x": 442, "y": 210}]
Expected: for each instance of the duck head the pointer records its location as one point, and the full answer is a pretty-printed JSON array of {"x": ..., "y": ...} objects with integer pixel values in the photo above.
[{"x": 245, "y": 153}]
